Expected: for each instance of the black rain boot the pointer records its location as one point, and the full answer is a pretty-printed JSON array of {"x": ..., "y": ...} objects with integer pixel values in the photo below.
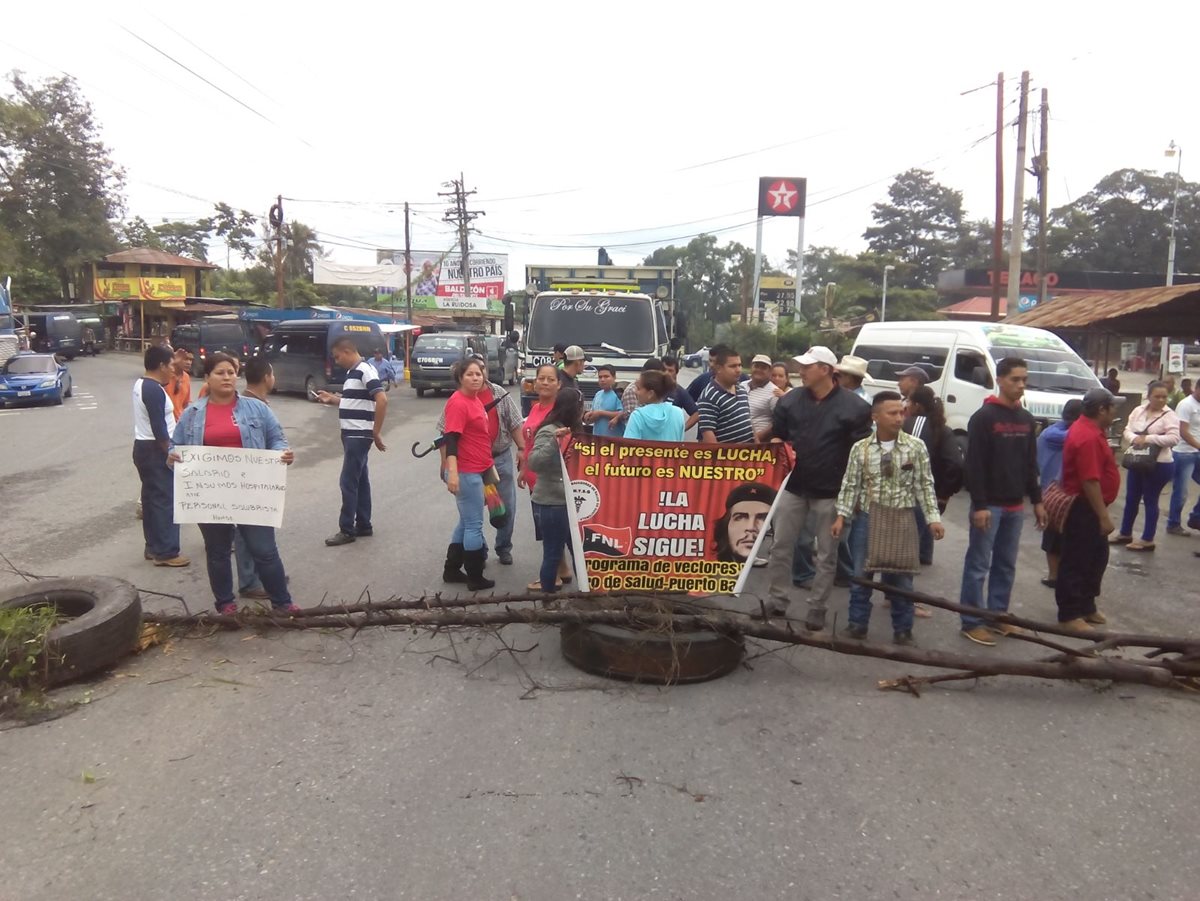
[
  {"x": 473, "y": 564},
  {"x": 452, "y": 569}
]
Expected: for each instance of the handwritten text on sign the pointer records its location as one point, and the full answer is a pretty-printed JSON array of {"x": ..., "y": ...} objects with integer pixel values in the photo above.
[{"x": 230, "y": 485}]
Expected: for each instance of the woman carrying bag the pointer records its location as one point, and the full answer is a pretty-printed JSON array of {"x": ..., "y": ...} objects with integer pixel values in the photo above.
[
  {"x": 1151, "y": 432},
  {"x": 549, "y": 493}
]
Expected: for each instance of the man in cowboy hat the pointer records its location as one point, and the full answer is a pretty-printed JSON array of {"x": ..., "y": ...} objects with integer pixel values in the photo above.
[{"x": 852, "y": 372}]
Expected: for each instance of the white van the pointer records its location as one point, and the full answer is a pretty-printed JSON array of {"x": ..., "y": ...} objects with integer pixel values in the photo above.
[{"x": 961, "y": 358}]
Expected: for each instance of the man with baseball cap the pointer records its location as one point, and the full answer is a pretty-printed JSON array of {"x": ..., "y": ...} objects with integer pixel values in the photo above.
[
  {"x": 910, "y": 379},
  {"x": 762, "y": 393},
  {"x": 572, "y": 367},
  {"x": 1090, "y": 473},
  {"x": 822, "y": 422}
]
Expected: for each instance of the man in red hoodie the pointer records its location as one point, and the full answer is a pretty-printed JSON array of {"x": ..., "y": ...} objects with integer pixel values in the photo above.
[{"x": 1001, "y": 471}]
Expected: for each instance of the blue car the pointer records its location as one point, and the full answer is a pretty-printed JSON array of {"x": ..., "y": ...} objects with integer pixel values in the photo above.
[{"x": 35, "y": 379}]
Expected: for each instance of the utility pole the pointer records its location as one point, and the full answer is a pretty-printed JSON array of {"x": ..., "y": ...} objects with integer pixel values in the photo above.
[
  {"x": 1043, "y": 177},
  {"x": 998, "y": 231},
  {"x": 1016, "y": 238},
  {"x": 407, "y": 295},
  {"x": 459, "y": 216},
  {"x": 275, "y": 217}
]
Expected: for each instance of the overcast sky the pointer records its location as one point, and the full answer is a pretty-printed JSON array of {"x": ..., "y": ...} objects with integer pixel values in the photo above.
[{"x": 627, "y": 125}]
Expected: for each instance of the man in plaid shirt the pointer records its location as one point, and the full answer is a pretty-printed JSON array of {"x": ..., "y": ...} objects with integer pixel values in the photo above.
[{"x": 890, "y": 468}]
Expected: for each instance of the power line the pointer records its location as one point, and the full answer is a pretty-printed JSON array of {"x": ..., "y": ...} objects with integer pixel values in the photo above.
[
  {"x": 211, "y": 84},
  {"x": 196, "y": 46}
]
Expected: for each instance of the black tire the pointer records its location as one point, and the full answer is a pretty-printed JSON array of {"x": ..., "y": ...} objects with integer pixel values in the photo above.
[
  {"x": 106, "y": 621},
  {"x": 310, "y": 388},
  {"x": 70, "y": 391},
  {"x": 420, "y": 392},
  {"x": 638, "y": 655},
  {"x": 58, "y": 399}
]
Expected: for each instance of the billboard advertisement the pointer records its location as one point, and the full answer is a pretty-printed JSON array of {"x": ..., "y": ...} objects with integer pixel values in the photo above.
[
  {"x": 437, "y": 281},
  {"x": 139, "y": 288}
]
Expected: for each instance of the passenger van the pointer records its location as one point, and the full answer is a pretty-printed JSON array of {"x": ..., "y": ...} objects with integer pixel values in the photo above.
[
  {"x": 300, "y": 352},
  {"x": 55, "y": 333},
  {"x": 961, "y": 357},
  {"x": 434, "y": 355},
  {"x": 209, "y": 335}
]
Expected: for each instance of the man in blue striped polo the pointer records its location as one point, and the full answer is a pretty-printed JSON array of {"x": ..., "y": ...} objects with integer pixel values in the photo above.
[
  {"x": 362, "y": 405},
  {"x": 724, "y": 404}
]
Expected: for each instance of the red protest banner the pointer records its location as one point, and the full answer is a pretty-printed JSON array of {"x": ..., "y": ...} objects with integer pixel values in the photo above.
[{"x": 656, "y": 516}]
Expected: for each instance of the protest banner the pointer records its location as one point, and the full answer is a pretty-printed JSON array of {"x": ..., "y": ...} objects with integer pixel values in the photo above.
[
  {"x": 230, "y": 485},
  {"x": 657, "y": 516}
]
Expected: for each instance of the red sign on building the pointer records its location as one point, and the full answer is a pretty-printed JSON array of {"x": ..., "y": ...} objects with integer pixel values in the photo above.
[{"x": 781, "y": 196}]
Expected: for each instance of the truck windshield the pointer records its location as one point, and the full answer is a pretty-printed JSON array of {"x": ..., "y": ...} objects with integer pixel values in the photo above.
[
  {"x": 1051, "y": 369},
  {"x": 624, "y": 322},
  {"x": 436, "y": 342}
]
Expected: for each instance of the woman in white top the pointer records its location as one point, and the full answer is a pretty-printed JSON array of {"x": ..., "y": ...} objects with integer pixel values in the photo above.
[{"x": 1153, "y": 424}]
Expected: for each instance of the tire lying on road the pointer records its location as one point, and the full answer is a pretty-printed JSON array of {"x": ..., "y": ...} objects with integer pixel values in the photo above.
[
  {"x": 105, "y": 621},
  {"x": 644, "y": 655}
]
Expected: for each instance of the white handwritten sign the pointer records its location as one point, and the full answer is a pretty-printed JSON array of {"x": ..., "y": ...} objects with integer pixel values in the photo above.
[{"x": 230, "y": 485}]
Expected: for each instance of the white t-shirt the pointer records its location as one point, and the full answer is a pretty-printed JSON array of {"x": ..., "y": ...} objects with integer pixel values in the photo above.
[
  {"x": 1188, "y": 412},
  {"x": 762, "y": 406}
]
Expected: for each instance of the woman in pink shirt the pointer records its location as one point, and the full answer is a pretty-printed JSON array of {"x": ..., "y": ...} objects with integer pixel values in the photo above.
[
  {"x": 1156, "y": 425},
  {"x": 545, "y": 384}
]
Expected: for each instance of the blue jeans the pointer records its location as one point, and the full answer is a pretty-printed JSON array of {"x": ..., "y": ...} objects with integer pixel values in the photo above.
[
  {"x": 555, "y": 526},
  {"x": 1145, "y": 488},
  {"x": 925, "y": 553},
  {"x": 506, "y": 468},
  {"x": 860, "y": 598},
  {"x": 247, "y": 572},
  {"x": 1186, "y": 471},
  {"x": 355, "y": 484},
  {"x": 158, "y": 500},
  {"x": 260, "y": 541},
  {"x": 803, "y": 570},
  {"x": 469, "y": 530},
  {"x": 991, "y": 556}
]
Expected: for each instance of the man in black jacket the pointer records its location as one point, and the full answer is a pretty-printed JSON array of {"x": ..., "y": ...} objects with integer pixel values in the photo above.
[
  {"x": 1001, "y": 471},
  {"x": 822, "y": 422}
]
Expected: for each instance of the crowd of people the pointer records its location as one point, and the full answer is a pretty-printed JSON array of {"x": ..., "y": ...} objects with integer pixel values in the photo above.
[{"x": 872, "y": 480}]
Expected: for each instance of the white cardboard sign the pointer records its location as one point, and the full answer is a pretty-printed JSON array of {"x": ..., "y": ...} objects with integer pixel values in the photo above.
[{"x": 230, "y": 485}]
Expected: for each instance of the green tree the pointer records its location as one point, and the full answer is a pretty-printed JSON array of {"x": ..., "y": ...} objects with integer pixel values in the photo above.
[
  {"x": 1123, "y": 225},
  {"x": 236, "y": 228},
  {"x": 921, "y": 224},
  {"x": 59, "y": 188}
]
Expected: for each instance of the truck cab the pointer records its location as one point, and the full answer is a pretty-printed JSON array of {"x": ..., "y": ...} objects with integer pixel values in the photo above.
[{"x": 620, "y": 316}]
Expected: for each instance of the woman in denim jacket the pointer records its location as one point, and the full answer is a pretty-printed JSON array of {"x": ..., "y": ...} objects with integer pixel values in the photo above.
[{"x": 225, "y": 419}]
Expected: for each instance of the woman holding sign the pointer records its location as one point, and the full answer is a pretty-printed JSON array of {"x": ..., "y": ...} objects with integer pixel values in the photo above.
[
  {"x": 549, "y": 492},
  {"x": 224, "y": 419}
]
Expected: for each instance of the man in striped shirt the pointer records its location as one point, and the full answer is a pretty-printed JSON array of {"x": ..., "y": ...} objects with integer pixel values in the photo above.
[
  {"x": 724, "y": 404},
  {"x": 362, "y": 405}
]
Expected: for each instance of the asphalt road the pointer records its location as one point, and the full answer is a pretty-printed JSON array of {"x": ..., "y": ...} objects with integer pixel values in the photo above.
[{"x": 313, "y": 766}]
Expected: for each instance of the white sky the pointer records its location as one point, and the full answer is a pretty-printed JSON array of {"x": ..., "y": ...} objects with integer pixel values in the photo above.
[{"x": 604, "y": 123}]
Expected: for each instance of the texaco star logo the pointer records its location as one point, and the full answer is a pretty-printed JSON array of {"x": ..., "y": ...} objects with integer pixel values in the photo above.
[{"x": 781, "y": 196}]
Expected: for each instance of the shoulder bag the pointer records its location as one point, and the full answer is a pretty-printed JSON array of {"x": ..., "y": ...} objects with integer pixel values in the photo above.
[
  {"x": 893, "y": 544},
  {"x": 1142, "y": 459}
]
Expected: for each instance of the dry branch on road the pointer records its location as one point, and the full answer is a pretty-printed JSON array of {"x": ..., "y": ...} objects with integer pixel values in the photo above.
[{"x": 650, "y": 613}]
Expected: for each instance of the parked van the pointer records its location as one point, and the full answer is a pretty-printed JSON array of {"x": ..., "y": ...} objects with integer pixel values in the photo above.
[
  {"x": 435, "y": 353},
  {"x": 55, "y": 333},
  {"x": 961, "y": 358},
  {"x": 300, "y": 352},
  {"x": 209, "y": 335},
  {"x": 502, "y": 364}
]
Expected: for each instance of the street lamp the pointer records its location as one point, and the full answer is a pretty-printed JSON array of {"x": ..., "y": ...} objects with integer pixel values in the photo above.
[
  {"x": 883, "y": 307},
  {"x": 1175, "y": 151}
]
